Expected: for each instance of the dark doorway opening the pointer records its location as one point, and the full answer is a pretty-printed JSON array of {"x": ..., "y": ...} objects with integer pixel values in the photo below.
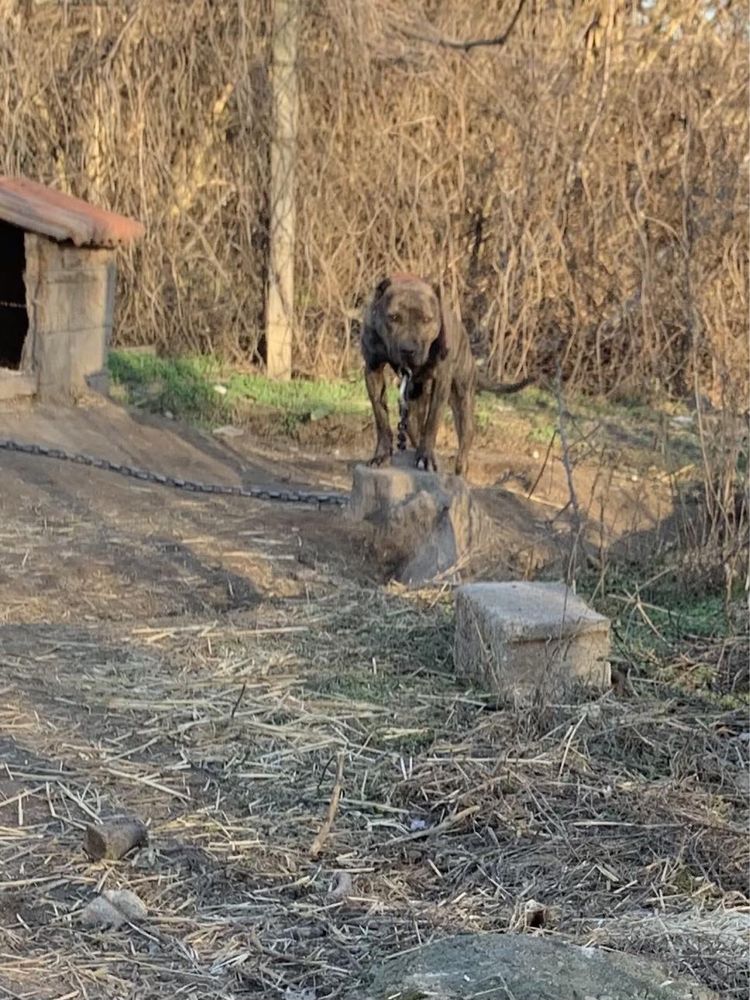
[{"x": 14, "y": 320}]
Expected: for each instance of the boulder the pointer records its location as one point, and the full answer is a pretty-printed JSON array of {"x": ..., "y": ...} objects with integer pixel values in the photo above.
[{"x": 525, "y": 968}]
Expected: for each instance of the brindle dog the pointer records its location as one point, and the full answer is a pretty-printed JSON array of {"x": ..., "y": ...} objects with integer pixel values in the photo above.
[{"x": 408, "y": 326}]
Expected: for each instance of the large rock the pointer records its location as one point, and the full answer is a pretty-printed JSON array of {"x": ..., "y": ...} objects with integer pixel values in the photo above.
[
  {"x": 523, "y": 967},
  {"x": 517, "y": 639},
  {"x": 423, "y": 524}
]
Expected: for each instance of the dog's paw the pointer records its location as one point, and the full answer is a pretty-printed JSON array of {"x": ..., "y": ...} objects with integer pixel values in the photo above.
[
  {"x": 379, "y": 459},
  {"x": 426, "y": 460}
]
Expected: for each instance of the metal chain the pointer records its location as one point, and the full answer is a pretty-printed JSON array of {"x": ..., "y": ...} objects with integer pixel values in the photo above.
[
  {"x": 252, "y": 492},
  {"x": 403, "y": 409}
]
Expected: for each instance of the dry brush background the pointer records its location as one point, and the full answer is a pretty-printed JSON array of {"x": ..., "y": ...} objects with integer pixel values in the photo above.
[{"x": 581, "y": 189}]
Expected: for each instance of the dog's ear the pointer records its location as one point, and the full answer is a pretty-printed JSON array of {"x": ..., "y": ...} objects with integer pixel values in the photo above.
[
  {"x": 381, "y": 287},
  {"x": 440, "y": 346}
]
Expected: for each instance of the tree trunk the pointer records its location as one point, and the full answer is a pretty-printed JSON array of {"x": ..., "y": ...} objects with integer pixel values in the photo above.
[{"x": 280, "y": 291}]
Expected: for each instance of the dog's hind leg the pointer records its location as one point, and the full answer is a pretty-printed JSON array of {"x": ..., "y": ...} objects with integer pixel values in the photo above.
[{"x": 462, "y": 406}]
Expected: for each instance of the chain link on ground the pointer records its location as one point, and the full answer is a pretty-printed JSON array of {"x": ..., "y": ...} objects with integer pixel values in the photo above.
[{"x": 190, "y": 486}]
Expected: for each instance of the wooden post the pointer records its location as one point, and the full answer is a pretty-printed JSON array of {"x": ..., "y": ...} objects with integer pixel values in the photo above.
[{"x": 280, "y": 289}]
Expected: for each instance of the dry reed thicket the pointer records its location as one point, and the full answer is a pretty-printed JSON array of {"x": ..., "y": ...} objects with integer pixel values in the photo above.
[{"x": 580, "y": 189}]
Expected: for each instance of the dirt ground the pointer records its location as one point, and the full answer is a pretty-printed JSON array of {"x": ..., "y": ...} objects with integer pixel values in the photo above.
[{"x": 206, "y": 663}]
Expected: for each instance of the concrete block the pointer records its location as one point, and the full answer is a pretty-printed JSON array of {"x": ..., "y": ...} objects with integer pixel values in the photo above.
[
  {"x": 519, "y": 639},
  {"x": 423, "y": 524}
]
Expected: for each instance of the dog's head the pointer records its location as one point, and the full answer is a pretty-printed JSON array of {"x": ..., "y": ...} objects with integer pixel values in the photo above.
[{"x": 410, "y": 319}]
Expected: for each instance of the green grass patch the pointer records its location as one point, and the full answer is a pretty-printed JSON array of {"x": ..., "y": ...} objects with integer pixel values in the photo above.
[
  {"x": 182, "y": 386},
  {"x": 202, "y": 390},
  {"x": 666, "y": 630},
  {"x": 666, "y": 605}
]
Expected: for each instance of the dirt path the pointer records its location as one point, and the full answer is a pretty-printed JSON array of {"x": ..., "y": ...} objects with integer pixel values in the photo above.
[{"x": 83, "y": 543}]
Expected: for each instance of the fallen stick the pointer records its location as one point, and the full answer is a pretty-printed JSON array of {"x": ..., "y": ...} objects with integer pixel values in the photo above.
[
  {"x": 333, "y": 808},
  {"x": 113, "y": 838}
]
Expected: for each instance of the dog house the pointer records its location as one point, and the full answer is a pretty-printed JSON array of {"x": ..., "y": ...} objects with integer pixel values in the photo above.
[{"x": 57, "y": 290}]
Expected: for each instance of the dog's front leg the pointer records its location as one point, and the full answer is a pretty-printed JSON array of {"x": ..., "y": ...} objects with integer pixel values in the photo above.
[
  {"x": 438, "y": 400},
  {"x": 375, "y": 382}
]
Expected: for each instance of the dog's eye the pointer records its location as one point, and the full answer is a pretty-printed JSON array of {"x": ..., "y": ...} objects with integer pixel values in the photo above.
[{"x": 394, "y": 317}]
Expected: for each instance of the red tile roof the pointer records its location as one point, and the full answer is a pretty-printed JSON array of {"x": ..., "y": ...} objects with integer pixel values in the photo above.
[{"x": 51, "y": 213}]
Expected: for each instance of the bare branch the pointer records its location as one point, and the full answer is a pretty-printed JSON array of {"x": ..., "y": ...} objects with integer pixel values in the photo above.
[{"x": 474, "y": 43}]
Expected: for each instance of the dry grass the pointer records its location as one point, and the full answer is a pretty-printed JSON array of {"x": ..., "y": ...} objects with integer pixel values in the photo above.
[
  {"x": 579, "y": 189},
  {"x": 626, "y": 818}
]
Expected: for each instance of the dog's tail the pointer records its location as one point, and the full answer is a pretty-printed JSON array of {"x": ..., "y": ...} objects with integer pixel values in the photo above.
[{"x": 501, "y": 388}]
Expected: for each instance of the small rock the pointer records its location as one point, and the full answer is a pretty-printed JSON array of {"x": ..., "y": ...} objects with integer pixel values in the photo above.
[
  {"x": 682, "y": 422},
  {"x": 341, "y": 886},
  {"x": 417, "y": 823},
  {"x": 228, "y": 431},
  {"x": 593, "y": 714},
  {"x": 112, "y": 909},
  {"x": 221, "y": 389},
  {"x": 169, "y": 415},
  {"x": 319, "y": 413}
]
